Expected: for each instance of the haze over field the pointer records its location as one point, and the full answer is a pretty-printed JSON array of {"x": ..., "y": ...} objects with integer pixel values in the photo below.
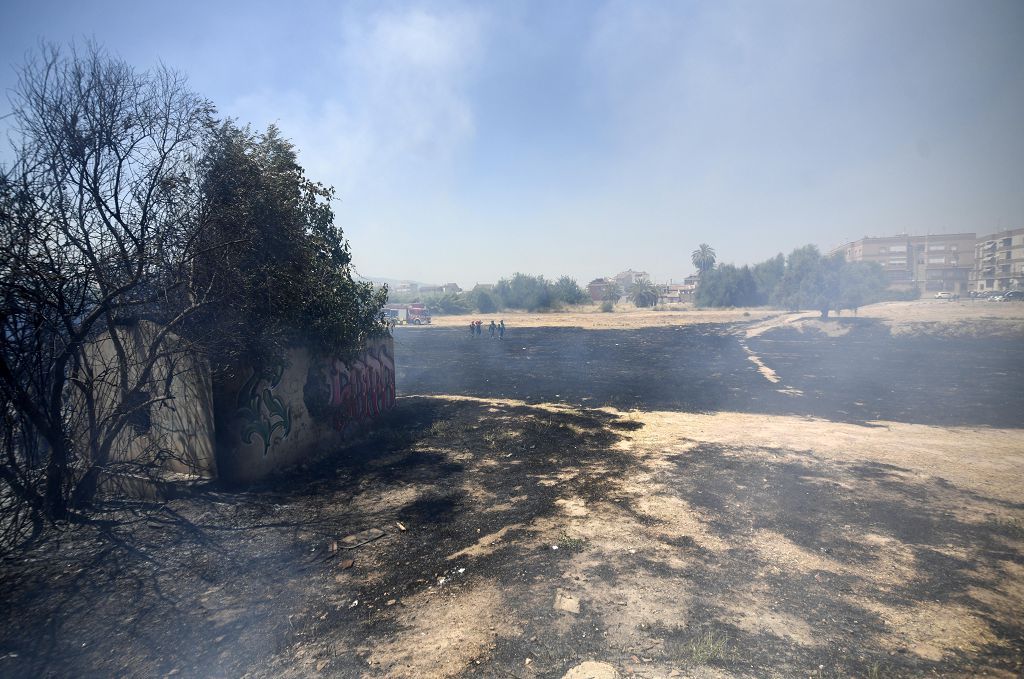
[{"x": 470, "y": 140}]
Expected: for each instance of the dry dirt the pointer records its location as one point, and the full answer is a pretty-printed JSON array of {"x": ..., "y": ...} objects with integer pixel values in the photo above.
[
  {"x": 969, "y": 318},
  {"x": 592, "y": 318},
  {"x": 525, "y": 537}
]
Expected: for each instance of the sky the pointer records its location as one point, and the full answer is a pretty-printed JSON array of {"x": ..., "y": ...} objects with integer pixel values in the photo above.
[{"x": 468, "y": 141}]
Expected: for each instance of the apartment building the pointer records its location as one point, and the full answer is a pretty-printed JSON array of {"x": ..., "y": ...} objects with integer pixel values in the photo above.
[
  {"x": 931, "y": 263},
  {"x": 999, "y": 262},
  {"x": 628, "y": 278}
]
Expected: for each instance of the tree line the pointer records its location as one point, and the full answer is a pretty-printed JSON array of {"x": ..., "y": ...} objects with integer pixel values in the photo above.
[
  {"x": 525, "y": 292},
  {"x": 520, "y": 291},
  {"x": 805, "y": 279}
]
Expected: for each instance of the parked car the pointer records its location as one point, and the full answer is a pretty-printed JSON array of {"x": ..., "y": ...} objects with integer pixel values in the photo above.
[
  {"x": 995, "y": 298},
  {"x": 943, "y": 295},
  {"x": 1014, "y": 296}
]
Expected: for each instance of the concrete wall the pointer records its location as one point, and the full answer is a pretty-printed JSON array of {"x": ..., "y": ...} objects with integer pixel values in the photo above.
[
  {"x": 279, "y": 417},
  {"x": 178, "y": 429},
  {"x": 241, "y": 430}
]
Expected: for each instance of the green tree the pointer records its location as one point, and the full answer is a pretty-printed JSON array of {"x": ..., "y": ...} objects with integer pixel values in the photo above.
[
  {"x": 522, "y": 291},
  {"x": 287, "y": 276},
  {"x": 483, "y": 299},
  {"x": 860, "y": 283},
  {"x": 814, "y": 281},
  {"x": 568, "y": 291},
  {"x": 768, "y": 274},
  {"x": 703, "y": 258},
  {"x": 644, "y": 293},
  {"x": 131, "y": 219},
  {"x": 612, "y": 293},
  {"x": 795, "y": 287},
  {"x": 728, "y": 286},
  {"x": 452, "y": 303}
]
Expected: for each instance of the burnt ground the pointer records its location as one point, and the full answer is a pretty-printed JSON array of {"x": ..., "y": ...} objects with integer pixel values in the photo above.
[
  {"x": 865, "y": 375},
  {"x": 675, "y": 552}
]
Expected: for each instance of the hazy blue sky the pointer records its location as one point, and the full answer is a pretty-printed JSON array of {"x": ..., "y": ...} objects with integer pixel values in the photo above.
[{"x": 471, "y": 140}]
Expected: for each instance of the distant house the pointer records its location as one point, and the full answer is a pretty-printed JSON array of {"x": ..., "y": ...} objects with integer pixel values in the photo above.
[
  {"x": 598, "y": 287},
  {"x": 673, "y": 293},
  {"x": 627, "y": 279},
  {"x": 446, "y": 289},
  {"x": 404, "y": 288}
]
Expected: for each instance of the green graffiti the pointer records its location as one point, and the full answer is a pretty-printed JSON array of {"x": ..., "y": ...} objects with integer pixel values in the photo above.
[{"x": 261, "y": 412}]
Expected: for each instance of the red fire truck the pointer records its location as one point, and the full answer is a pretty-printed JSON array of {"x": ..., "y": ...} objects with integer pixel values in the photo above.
[{"x": 411, "y": 314}]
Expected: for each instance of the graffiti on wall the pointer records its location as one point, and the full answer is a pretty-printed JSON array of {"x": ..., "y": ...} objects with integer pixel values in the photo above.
[
  {"x": 347, "y": 395},
  {"x": 262, "y": 414}
]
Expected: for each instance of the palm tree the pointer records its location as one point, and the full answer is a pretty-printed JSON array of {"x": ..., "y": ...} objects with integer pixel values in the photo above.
[
  {"x": 703, "y": 258},
  {"x": 612, "y": 293},
  {"x": 644, "y": 293}
]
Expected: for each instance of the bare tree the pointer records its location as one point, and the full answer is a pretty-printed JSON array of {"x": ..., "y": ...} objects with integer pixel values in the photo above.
[{"x": 100, "y": 214}]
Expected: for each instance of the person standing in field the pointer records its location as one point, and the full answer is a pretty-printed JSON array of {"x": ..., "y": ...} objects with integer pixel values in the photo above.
[
  {"x": 491, "y": 328},
  {"x": 472, "y": 328},
  {"x": 501, "y": 329}
]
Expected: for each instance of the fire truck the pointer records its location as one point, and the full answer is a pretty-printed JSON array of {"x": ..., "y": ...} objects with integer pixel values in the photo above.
[{"x": 407, "y": 314}]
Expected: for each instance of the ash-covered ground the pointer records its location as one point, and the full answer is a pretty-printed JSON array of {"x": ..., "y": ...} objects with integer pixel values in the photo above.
[
  {"x": 864, "y": 375},
  {"x": 840, "y": 506}
]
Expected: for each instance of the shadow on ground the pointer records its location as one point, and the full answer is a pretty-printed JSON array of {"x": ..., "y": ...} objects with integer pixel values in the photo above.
[{"x": 760, "y": 562}]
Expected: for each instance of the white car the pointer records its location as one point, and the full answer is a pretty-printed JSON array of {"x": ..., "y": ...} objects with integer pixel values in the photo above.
[{"x": 943, "y": 295}]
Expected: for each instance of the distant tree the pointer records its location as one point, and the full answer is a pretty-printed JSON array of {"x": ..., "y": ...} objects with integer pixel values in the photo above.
[
  {"x": 814, "y": 281},
  {"x": 800, "y": 283},
  {"x": 728, "y": 286},
  {"x": 569, "y": 292},
  {"x": 612, "y": 293},
  {"x": 451, "y": 303},
  {"x": 804, "y": 280},
  {"x": 703, "y": 258},
  {"x": 860, "y": 283},
  {"x": 644, "y": 293},
  {"x": 483, "y": 299},
  {"x": 768, "y": 274},
  {"x": 522, "y": 291}
]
